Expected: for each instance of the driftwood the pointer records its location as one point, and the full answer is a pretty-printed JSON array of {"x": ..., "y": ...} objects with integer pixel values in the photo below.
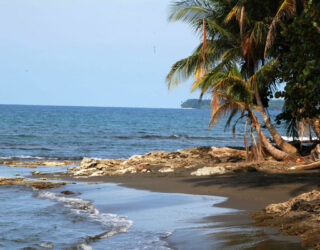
[
  {"x": 310, "y": 166},
  {"x": 315, "y": 156}
]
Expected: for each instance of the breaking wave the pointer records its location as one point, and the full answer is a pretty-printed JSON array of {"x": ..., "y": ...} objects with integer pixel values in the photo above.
[
  {"x": 112, "y": 224},
  {"x": 305, "y": 139}
]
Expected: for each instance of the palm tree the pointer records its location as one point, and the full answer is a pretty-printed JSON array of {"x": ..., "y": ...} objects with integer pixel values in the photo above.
[
  {"x": 225, "y": 41},
  {"x": 231, "y": 94}
]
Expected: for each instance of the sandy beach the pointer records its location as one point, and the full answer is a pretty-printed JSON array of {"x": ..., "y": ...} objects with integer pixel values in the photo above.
[{"x": 247, "y": 192}]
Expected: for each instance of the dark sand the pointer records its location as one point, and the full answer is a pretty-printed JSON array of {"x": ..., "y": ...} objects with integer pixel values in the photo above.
[{"x": 246, "y": 191}]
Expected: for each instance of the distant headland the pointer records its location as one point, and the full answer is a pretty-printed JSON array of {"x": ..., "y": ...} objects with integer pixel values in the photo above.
[{"x": 196, "y": 104}]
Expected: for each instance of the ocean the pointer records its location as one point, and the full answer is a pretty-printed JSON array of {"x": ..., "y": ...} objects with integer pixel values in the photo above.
[
  {"x": 52, "y": 132},
  {"x": 100, "y": 215}
]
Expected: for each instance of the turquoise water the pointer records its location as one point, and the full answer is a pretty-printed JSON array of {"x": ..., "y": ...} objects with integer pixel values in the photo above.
[{"x": 74, "y": 132}]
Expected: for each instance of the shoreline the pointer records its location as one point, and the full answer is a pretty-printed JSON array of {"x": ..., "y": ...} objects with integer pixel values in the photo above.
[
  {"x": 248, "y": 186},
  {"x": 246, "y": 197},
  {"x": 245, "y": 191}
]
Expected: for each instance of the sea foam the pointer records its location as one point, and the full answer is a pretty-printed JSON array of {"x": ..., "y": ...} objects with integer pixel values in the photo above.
[{"x": 113, "y": 224}]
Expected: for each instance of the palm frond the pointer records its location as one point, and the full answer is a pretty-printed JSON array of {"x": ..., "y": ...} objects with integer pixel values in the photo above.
[
  {"x": 287, "y": 9},
  {"x": 187, "y": 11},
  {"x": 224, "y": 109}
]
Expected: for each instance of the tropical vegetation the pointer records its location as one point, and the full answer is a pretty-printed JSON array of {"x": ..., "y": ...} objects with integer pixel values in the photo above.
[{"x": 247, "y": 49}]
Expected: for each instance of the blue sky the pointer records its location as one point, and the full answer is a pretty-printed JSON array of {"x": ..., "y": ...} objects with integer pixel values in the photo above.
[{"x": 91, "y": 53}]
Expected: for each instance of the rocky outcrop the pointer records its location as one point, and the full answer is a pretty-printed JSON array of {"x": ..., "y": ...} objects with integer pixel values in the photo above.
[
  {"x": 35, "y": 184},
  {"x": 159, "y": 162},
  {"x": 298, "y": 216}
]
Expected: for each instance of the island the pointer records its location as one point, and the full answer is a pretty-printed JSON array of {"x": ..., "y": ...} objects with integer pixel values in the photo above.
[{"x": 196, "y": 104}]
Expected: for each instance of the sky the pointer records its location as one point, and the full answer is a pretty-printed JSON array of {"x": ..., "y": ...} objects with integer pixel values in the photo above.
[{"x": 113, "y": 53}]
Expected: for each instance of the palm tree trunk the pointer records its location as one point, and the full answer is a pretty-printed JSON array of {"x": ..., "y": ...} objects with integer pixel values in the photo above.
[
  {"x": 315, "y": 126},
  {"x": 273, "y": 151},
  {"x": 279, "y": 141}
]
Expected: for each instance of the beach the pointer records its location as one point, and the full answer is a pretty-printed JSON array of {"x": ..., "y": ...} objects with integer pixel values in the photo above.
[
  {"x": 208, "y": 227},
  {"x": 245, "y": 193}
]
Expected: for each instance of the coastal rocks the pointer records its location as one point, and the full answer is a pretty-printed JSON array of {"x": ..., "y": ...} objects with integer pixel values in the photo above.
[
  {"x": 158, "y": 162},
  {"x": 88, "y": 163},
  {"x": 35, "y": 184},
  {"x": 298, "y": 216}
]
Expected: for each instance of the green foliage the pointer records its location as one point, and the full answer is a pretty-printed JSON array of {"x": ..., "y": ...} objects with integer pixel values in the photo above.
[
  {"x": 298, "y": 53},
  {"x": 248, "y": 47}
]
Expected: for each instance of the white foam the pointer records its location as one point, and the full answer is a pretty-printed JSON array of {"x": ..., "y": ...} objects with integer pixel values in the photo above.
[
  {"x": 306, "y": 139},
  {"x": 85, "y": 247},
  {"x": 116, "y": 224},
  {"x": 46, "y": 245},
  {"x": 21, "y": 157}
]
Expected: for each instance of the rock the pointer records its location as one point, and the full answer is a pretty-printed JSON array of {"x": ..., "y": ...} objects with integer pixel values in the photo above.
[
  {"x": 35, "y": 173},
  {"x": 299, "y": 216},
  {"x": 166, "y": 170},
  {"x": 315, "y": 153},
  {"x": 66, "y": 192},
  {"x": 285, "y": 207},
  {"x": 31, "y": 166},
  {"x": 143, "y": 168},
  {"x": 135, "y": 158},
  {"x": 36, "y": 184},
  {"x": 98, "y": 173},
  {"x": 53, "y": 163},
  {"x": 210, "y": 171},
  {"x": 88, "y": 163},
  {"x": 219, "y": 170}
]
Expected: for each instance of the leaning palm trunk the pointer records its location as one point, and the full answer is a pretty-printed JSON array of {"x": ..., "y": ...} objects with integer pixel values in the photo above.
[
  {"x": 279, "y": 141},
  {"x": 273, "y": 151},
  {"x": 315, "y": 126}
]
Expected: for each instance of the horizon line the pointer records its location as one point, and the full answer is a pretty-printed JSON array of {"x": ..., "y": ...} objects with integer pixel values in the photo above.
[{"x": 83, "y": 106}]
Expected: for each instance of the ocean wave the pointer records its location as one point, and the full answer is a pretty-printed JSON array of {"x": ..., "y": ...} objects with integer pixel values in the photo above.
[
  {"x": 113, "y": 224},
  {"x": 305, "y": 139}
]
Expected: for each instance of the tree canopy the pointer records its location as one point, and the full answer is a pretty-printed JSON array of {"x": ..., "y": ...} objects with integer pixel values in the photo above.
[{"x": 248, "y": 48}]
